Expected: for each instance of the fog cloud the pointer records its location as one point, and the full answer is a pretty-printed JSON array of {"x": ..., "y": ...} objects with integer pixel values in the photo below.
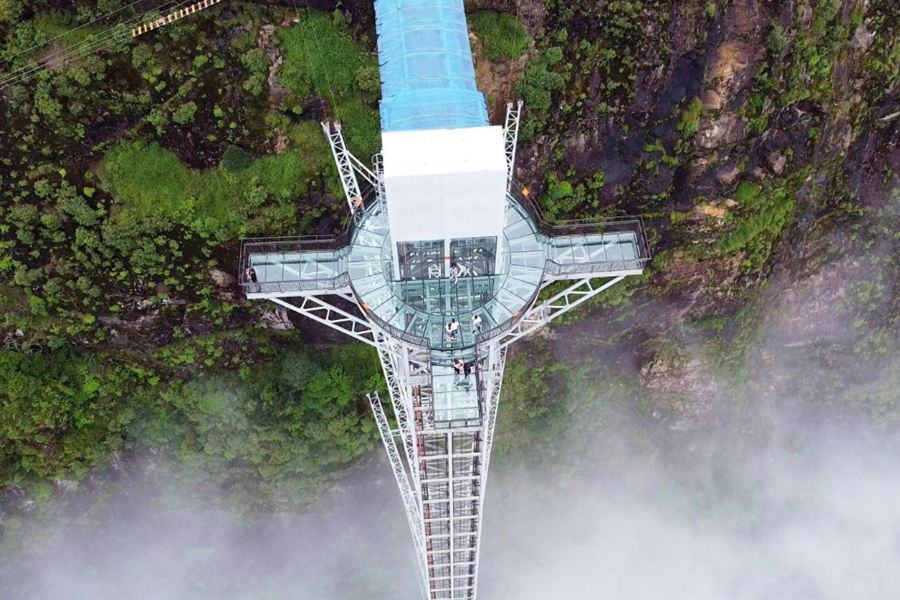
[
  {"x": 821, "y": 521},
  {"x": 804, "y": 515},
  {"x": 637, "y": 510}
]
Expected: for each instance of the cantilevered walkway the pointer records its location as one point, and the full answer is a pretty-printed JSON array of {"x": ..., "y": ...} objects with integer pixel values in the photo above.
[{"x": 419, "y": 310}]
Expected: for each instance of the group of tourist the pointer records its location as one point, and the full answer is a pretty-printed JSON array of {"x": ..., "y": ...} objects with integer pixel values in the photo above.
[{"x": 452, "y": 328}]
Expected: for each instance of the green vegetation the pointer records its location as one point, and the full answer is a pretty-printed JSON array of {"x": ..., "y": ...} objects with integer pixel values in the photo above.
[
  {"x": 690, "y": 119},
  {"x": 233, "y": 200},
  {"x": 536, "y": 87},
  {"x": 10, "y": 10},
  {"x": 764, "y": 215},
  {"x": 321, "y": 58},
  {"x": 502, "y": 35},
  {"x": 62, "y": 413},
  {"x": 128, "y": 177},
  {"x": 271, "y": 433}
]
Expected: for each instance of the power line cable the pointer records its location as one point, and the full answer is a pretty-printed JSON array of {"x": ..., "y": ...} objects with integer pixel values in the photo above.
[
  {"x": 89, "y": 44},
  {"x": 53, "y": 39},
  {"x": 121, "y": 32},
  {"x": 315, "y": 39}
]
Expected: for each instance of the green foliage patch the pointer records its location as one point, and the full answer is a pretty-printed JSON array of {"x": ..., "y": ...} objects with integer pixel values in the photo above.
[
  {"x": 62, "y": 413},
  {"x": 502, "y": 35},
  {"x": 764, "y": 214},
  {"x": 147, "y": 180},
  {"x": 271, "y": 434},
  {"x": 536, "y": 87},
  {"x": 322, "y": 59}
]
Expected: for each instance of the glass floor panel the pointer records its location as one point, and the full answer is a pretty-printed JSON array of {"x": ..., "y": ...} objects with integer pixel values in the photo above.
[
  {"x": 364, "y": 253},
  {"x": 271, "y": 267},
  {"x": 386, "y": 310},
  {"x": 521, "y": 289},
  {"x": 366, "y": 285},
  {"x": 455, "y": 396},
  {"x": 362, "y": 269},
  {"x": 525, "y": 243},
  {"x": 518, "y": 230},
  {"x": 534, "y": 258},
  {"x": 594, "y": 248},
  {"x": 497, "y": 311},
  {"x": 375, "y": 225},
  {"x": 509, "y": 300},
  {"x": 378, "y": 296},
  {"x": 512, "y": 215},
  {"x": 368, "y": 238},
  {"x": 524, "y": 273}
]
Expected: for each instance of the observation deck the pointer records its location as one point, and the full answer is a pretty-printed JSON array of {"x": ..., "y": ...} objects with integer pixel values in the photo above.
[{"x": 417, "y": 310}]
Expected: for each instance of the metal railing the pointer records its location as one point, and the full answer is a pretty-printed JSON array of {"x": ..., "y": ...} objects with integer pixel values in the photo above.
[
  {"x": 302, "y": 243},
  {"x": 554, "y": 268},
  {"x": 283, "y": 287},
  {"x": 458, "y": 423},
  {"x": 392, "y": 330},
  {"x": 511, "y": 322},
  {"x": 628, "y": 224}
]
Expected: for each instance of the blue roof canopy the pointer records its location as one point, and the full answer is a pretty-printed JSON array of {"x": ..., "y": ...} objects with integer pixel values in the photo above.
[{"x": 427, "y": 74}]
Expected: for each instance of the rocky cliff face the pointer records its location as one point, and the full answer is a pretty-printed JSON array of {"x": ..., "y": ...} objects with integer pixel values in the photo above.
[{"x": 759, "y": 141}]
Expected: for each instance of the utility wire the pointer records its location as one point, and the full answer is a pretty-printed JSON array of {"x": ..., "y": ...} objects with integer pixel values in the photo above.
[
  {"x": 66, "y": 54},
  {"x": 315, "y": 39},
  {"x": 53, "y": 39},
  {"x": 121, "y": 32}
]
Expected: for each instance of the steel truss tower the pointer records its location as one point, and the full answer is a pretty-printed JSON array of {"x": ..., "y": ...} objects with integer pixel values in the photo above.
[{"x": 439, "y": 443}]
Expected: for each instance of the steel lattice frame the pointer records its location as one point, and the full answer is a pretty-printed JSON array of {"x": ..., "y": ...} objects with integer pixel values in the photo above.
[
  {"x": 444, "y": 476},
  {"x": 546, "y": 311},
  {"x": 411, "y": 501},
  {"x": 511, "y": 136},
  {"x": 345, "y": 164},
  {"x": 441, "y": 472}
]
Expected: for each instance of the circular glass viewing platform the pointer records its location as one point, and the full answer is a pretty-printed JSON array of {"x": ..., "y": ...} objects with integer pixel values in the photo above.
[{"x": 419, "y": 310}]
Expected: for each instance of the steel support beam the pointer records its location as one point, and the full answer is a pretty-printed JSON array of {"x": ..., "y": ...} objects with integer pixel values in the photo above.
[
  {"x": 492, "y": 373},
  {"x": 550, "y": 309},
  {"x": 511, "y": 136},
  {"x": 344, "y": 161},
  {"x": 402, "y": 403},
  {"x": 410, "y": 502},
  {"x": 317, "y": 309}
]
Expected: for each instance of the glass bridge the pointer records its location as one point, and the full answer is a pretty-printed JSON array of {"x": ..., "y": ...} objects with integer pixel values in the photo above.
[{"x": 418, "y": 311}]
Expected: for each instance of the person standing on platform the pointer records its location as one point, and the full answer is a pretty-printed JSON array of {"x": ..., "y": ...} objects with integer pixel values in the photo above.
[{"x": 251, "y": 275}]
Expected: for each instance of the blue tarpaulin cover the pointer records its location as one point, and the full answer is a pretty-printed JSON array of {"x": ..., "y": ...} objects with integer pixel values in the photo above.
[{"x": 427, "y": 74}]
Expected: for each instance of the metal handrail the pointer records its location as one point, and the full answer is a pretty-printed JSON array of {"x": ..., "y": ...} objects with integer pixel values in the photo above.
[
  {"x": 554, "y": 268},
  {"x": 393, "y": 330},
  {"x": 580, "y": 226},
  {"x": 303, "y": 243},
  {"x": 517, "y": 316},
  {"x": 333, "y": 283}
]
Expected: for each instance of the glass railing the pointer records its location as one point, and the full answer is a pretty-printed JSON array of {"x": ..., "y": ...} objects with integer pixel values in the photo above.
[
  {"x": 303, "y": 244},
  {"x": 589, "y": 227}
]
